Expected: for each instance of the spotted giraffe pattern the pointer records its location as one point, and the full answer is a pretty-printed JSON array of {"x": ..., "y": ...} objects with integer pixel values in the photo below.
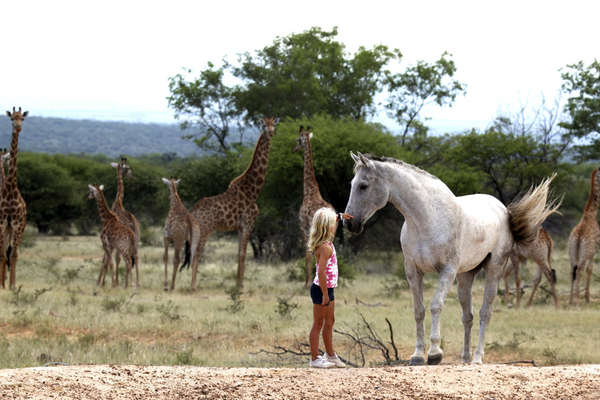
[
  {"x": 13, "y": 210},
  {"x": 312, "y": 199},
  {"x": 540, "y": 251},
  {"x": 118, "y": 208},
  {"x": 584, "y": 241},
  {"x": 116, "y": 237},
  {"x": 236, "y": 208},
  {"x": 180, "y": 228}
]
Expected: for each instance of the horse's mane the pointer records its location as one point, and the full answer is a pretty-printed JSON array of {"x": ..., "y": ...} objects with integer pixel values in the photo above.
[{"x": 394, "y": 161}]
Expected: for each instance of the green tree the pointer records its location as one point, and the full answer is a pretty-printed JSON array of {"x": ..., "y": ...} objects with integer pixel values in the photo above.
[
  {"x": 309, "y": 73},
  {"x": 205, "y": 104},
  {"x": 418, "y": 86},
  {"x": 583, "y": 107}
]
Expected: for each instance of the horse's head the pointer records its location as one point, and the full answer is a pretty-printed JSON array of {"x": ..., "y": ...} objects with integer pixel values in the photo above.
[{"x": 368, "y": 193}]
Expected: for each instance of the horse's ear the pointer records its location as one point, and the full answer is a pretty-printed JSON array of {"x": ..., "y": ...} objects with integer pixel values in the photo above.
[
  {"x": 301, "y": 128},
  {"x": 354, "y": 157},
  {"x": 365, "y": 160}
]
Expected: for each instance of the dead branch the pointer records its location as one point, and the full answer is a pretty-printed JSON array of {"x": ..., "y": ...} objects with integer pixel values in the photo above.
[
  {"x": 532, "y": 362},
  {"x": 302, "y": 349},
  {"x": 378, "y": 304}
]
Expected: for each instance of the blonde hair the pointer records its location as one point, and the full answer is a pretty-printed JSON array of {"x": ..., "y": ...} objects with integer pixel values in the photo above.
[{"x": 320, "y": 231}]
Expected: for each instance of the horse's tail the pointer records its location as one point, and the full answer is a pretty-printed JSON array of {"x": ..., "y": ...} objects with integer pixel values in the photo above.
[{"x": 527, "y": 214}]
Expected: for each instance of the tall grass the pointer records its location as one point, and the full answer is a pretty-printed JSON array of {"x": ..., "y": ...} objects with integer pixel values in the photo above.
[{"x": 59, "y": 315}]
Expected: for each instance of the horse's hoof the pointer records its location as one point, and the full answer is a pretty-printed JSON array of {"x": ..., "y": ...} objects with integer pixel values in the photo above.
[
  {"x": 414, "y": 361},
  {"x": 434, "y": 359}
]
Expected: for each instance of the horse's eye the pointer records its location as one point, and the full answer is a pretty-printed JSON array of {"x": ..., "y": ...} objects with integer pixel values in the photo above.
[{"x": 363, "y": 186}]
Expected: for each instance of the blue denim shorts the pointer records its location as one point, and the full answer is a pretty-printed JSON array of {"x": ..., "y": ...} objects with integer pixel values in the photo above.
[{"x": 316, "y": 294}]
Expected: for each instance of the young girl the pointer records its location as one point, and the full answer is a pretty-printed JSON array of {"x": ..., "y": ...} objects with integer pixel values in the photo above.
[{"x": 320, "y": 242}]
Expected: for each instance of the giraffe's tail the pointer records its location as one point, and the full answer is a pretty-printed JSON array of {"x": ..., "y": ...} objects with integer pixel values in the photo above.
[
  {"x": 187, "y": 256},
  {"x": 8, "y": 251}
]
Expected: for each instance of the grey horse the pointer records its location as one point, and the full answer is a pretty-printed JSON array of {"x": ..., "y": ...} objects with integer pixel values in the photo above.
[{"x": 453, "y": 236}]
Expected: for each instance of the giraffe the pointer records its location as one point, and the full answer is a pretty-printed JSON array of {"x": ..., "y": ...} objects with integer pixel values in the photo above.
[
  {"x": 312, "y": 199},
  {"x": 4, "y": 157},
  {"x": 13, "y": 210},
  {"x": 236, "y": 208},
  {"x": 584, "y": 240},
  {"x": 118, "y": 208},
  {"x": 115, "y": 235},
  {"x": 540, "y": 251},
  {"x": 181, "y": 229}
]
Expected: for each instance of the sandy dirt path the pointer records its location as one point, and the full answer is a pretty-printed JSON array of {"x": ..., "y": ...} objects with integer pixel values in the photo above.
[{"x": 440, "y": 382}]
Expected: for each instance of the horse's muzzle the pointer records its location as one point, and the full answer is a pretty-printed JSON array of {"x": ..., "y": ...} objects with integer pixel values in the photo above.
[{"x": 353, "y": 225}]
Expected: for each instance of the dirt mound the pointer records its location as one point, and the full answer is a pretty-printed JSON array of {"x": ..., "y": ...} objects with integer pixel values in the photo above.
[{"x": 182, "y": 382}]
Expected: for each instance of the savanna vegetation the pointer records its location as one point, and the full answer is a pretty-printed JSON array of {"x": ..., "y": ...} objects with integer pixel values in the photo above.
[{"x": 58, "y": 315}]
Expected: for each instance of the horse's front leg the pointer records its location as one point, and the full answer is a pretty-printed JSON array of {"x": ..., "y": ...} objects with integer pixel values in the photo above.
[
  {"x": 415, "y": 281},
  {"x": 492, "y": 275},
  {"x": 465, "y": 284},
  {"x": 447, "y": 275}
]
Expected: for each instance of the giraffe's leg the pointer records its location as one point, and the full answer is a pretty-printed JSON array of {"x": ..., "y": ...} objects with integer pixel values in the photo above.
[
  {"x": 551, "y": 276},
  {"x": 577, "y": 272},
  {"x": 117, "y": 262},
  {"x": 196, "y": 259},
  {"x": 177, "y": 247},
  {"x": 536, "y": 283},
  {"x": 12, "y": 265},
  {"x": 518, "y": 281},
  {"x": 308, "y": 263},
  {"x": 166, "y": 262},
  {"x": 102, "y": 273},
  {"x": 588, "y": 278},
  {"x": 3, "y": 261},
  {"x": 244, "y": 236}
]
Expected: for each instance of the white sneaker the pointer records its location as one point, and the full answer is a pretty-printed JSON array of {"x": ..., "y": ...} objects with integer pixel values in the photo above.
[
  {"x": 320, "y": 362},
  {"x": 335, "y": 360}
]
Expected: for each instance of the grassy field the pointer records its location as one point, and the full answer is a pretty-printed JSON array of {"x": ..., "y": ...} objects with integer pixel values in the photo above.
[{"x": 58, "y": 315}]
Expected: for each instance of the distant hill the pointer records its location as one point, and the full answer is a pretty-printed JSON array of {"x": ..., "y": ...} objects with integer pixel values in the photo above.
[{"x": 71, "y": 136}]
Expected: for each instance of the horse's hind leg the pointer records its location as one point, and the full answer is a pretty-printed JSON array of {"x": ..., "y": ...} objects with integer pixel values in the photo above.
[
  {"x": 415, "y": 281},
  {"x": 492, "y": 275},
  {"x": 447, "y": 275},
  {"x": 465, "y": 283}
]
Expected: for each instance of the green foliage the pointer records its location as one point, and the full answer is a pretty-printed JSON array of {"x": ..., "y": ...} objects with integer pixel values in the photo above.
[
  {"x": 235, "y": 294},
  {"x": 419, "y": 85},
  {"x": 285, "y": 307},
  {"x": 308, "y": 73},
  {"x": 168, "y": 311},
  {"x": 583, "y": 106},
  {"x": 26, "y": 298}
]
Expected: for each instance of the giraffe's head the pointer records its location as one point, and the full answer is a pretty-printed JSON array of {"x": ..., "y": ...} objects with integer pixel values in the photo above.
[
  {"x": 269, "y": 124},
  {"x": 95, "y": 191},
  {"x": 17, "y": 117},
  {"x": 304, "y": 137},
  {"x": 171, "y": 183},
  {"x": 122, "y": 167}
]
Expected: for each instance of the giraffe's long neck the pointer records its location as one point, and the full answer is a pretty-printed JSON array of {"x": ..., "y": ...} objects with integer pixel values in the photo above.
[
  {"x": 311, "y": 187},
  {"x": 591, "y": 208},
  {"x": 105, "y": 214},
  {"x": 253, "y": 179},
  {"x": 11, "y": 177},
  {"x": 120, "y": 188},
  {"x": 174, "y": 199}
]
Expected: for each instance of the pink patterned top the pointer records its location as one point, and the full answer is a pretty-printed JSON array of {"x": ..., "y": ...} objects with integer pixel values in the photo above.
[{"x": 331, "y": 272}]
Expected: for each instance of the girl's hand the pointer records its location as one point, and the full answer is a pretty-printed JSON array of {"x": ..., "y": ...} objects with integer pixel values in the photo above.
[
  {"x": 325, "y": 299},
  {"x": 345, "y": 216}
]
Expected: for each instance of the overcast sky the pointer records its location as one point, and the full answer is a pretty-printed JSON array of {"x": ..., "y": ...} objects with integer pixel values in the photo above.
[{"x": 111, "y": 59}]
